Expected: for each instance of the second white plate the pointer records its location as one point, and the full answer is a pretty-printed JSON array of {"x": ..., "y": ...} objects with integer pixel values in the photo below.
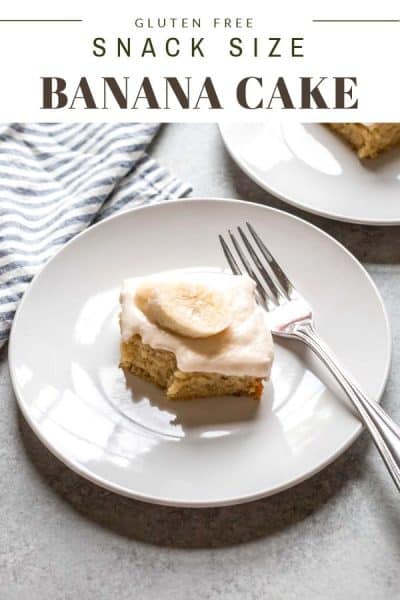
[
  {"x": 121, "y": 432},
  {"x": 310, "y": 167}
]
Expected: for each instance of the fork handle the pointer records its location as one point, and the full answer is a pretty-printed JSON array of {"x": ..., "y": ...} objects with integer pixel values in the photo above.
[{"x": 384, "y": 431}]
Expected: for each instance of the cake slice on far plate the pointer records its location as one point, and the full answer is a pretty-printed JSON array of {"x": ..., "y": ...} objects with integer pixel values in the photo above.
[
  {"x": 369, "y": 139},
  {"x": 195, "y": 334}
]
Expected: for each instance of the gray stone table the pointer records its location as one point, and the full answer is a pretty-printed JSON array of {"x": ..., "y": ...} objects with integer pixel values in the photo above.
[{"x": 336, "y": 536}]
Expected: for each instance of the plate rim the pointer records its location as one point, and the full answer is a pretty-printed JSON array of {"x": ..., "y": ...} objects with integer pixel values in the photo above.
[
  {"x": 185, "y": 503},
  {"x": 246, "y": 168}
]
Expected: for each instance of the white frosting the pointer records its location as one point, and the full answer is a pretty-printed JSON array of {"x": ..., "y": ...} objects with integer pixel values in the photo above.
[{"x": 244, "y": 348}]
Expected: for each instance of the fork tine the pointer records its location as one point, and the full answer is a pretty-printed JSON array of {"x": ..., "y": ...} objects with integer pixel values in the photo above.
[
  {"x": 280, "y": 275},
  {"x": 247, "y": 266},
  {"x": 229, "y": 257},
  {"x": 271, "y": 285}
]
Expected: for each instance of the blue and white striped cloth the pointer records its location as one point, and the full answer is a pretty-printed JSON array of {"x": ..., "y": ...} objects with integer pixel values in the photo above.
[{"x": 56, "y": 180}]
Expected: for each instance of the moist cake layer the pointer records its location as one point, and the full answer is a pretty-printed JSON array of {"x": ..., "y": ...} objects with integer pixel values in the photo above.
[{"x": 159, "y": 367}]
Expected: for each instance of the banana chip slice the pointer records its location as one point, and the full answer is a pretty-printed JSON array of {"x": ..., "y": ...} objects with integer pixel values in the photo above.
[{"x": 189, "y": 308}]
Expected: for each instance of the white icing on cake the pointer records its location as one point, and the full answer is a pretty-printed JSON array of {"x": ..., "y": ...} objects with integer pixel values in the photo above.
[{"x": 244, "y": 348}]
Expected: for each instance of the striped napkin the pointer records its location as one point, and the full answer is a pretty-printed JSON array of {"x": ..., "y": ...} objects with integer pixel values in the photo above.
[{"x": 56, "y": 180}]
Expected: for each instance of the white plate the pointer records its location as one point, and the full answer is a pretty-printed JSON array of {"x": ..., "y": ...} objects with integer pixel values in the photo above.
[
  {"x": 122, "y": 434},
  {"x": 310, "y": 167}
]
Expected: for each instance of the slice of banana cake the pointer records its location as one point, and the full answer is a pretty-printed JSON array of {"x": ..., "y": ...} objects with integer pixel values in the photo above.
[
  {"x": 369, "y": 139},
  {"x": 195, "y": 333}
]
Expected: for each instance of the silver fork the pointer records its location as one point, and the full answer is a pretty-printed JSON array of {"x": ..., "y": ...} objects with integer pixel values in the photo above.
[{"x": 290, "y": 315}]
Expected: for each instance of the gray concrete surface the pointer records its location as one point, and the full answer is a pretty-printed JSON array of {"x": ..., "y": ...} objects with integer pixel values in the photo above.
[{"x": 335, "y": 537}]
